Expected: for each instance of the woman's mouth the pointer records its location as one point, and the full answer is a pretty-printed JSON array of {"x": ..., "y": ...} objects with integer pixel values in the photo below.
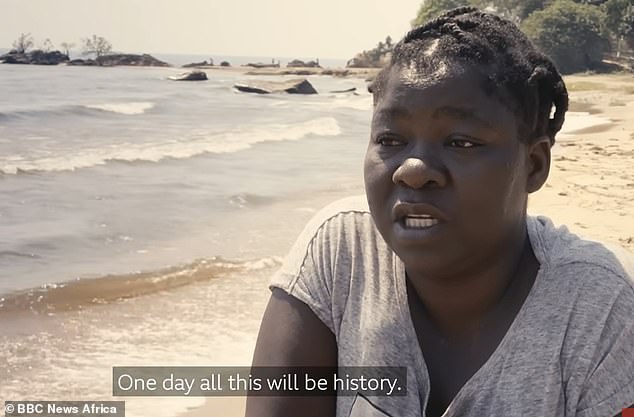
[{"x": 419, "y": 221}]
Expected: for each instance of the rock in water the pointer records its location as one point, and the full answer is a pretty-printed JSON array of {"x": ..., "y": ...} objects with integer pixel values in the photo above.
[
  {"x": 300, "y": 87},
  {"x": 190, "y": 76},
  {"x": 347, "y": 90},
  {"x": 197, "y": 64},
  {"x": 296, "y": 86},
  {"x": 143, "y": 60},
  {"x": 262, "y": 65},
  {"x": 297, "y": 63},
  {"x": 36, "y": 57},
  {"x": 83, "y": 62},
  {"x": 251, "y": 89}
]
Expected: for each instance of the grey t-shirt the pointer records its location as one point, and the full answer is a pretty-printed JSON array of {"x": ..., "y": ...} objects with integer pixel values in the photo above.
[{"x": 569, "y": 351}]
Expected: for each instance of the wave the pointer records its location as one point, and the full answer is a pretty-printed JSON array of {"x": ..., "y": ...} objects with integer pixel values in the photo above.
[
  {"x": 224, "y": 142},
  {"x": 363, "y": 102},
  {"x": 249, "y": 199},
  {"x": 83, "y": 293},
  {"x": 14, "y": 254},
  {"x": 125, "y": 108}
]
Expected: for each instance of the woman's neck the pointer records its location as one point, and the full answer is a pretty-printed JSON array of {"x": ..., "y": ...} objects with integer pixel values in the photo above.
[{"x": 457, "y": 307}]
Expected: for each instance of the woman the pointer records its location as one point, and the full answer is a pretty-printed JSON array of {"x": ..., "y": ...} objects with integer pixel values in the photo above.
[{"x": 438, "y": 268}]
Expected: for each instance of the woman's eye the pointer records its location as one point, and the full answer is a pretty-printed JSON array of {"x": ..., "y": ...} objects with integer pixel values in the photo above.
[
  {"x": 462, "y": 143},
  {"x": 389, "y": 141}
]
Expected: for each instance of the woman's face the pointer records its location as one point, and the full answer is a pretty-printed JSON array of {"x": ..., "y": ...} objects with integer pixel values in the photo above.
[{"x": 445, "y": 173}]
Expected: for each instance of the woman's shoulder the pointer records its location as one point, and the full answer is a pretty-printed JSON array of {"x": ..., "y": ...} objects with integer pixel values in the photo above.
[
  {"x": 581, "y": 260},
  {"x": 352, "y": 205},
  {"x": 339, "y": 243},
  {"x": 341, "y": 219},
  {"x": 584, "y": 310},
  {"x": 327, "y": 237}
]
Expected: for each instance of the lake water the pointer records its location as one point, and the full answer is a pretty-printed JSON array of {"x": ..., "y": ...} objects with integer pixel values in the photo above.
[{"x": 117, "y": 183}]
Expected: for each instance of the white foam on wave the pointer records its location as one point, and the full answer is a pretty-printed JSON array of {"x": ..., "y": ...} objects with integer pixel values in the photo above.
[
  {"x": 354, "y": 102},
  {"x": 225, "y": 142},
  {"x": 130, "y": 108},
  {"x": 263, "y": 263},
  {"x": 357, "y": 103}
]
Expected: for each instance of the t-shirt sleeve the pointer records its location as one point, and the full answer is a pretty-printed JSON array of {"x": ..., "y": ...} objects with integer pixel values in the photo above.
[
  {"x": 317, "y": 269},
  {"x": 609, "y": 385},
  {"x": 306, "y": 272}
]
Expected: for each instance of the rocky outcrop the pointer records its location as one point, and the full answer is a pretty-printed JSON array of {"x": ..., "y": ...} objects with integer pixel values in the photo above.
[
  {"x": 287, "y": 71},
  {"x": 225, "y": 64},
  {"x": 296, "y": 63},
  {"x": 198, "y": 64},
  {"x": 39, "y": 57},
  {"x": 190, "y": 76},
  {"x": 113, "y": 60},
  {"x": 347, "y": 90},
  {"x": 261, "y": 65},
  {"x": 36, "y": 57},
  {"x": 297, "y": 86},
  {"x": 336, "y": 72},
  {"x": 143, "y": 60},
  {"x": 83, "y": 62}
]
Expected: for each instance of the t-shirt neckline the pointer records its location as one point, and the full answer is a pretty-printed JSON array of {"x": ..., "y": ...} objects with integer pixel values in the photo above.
[{"x": 421, "y": 372}]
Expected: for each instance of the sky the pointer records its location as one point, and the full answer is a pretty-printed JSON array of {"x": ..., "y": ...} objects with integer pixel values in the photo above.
[{"x": 276, "y": 28}]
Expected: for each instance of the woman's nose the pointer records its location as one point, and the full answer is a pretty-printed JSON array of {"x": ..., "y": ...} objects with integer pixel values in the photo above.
[{"x": 416, "y": 173}]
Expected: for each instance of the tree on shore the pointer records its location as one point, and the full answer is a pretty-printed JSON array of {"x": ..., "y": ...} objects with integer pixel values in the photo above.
[
  {"x": 570, "y": 33},
  {"x": 23, "y": 43},
  {"x": 574, "y": 33},
  {"x": 515, "y": 10},
  {"x": 618, "y": 14},
  {"x": 96, "y": 45},
  {"x": 47, "y": 45},
  {"x": 619, "y": 20},
  {"x": 67, "y": 46},
  {"x": 376, "y": 57},
  {"x": 431, "y": 9}
]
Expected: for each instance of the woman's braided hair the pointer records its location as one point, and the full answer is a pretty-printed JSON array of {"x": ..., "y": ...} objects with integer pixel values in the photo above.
[{"x": 514, "y": 68}]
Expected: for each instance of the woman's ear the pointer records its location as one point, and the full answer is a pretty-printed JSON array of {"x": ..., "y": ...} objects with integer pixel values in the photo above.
[{"x": 539, "y": 163}]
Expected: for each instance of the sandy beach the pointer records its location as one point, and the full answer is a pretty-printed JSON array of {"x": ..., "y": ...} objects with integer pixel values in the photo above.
[{"x": 591, "y": 183}]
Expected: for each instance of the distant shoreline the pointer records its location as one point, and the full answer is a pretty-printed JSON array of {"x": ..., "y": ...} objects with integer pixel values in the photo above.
[
  {"x": 299, "y": 71},
  {"x": 355, "y": 72}
]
